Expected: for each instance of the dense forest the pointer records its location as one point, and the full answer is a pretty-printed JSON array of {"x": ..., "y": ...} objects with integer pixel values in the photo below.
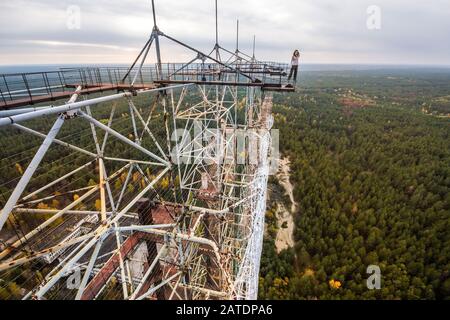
[{"x": 370, "y": 163}]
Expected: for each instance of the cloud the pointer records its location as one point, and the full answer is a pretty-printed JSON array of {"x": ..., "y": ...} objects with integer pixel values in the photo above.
[{"x": 327, "y": 31}]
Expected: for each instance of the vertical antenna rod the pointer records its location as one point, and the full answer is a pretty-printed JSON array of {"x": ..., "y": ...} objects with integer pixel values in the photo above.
[
  {"x": 217, "y": 28},
  {"x": 156, "y": 37},
  {"x": 154, "y": 14},
  {"x": 217, "y": 35},
  {"x": 254, "y": 45},
  {"x": 237, "y": 36}
]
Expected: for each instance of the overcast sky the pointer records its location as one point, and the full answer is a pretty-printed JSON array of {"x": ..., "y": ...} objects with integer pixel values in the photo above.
[{"x": 326, "y": 31}]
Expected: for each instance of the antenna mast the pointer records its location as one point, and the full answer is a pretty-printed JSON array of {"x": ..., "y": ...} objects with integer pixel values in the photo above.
[
  {"x": 217, "y": 27},
  {"x": 154, "y": 14},
  {"x": 237, "y": 36},
  {"x": 217, "y": 35},
  {"x": 156, "y": 37},
  {"x": 254, "y": 46}
]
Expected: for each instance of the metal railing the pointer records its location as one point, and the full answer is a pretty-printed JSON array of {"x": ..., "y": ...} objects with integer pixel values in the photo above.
[
  {"x": 265, "y": 73},
  {"x": 28, "y": 86}
]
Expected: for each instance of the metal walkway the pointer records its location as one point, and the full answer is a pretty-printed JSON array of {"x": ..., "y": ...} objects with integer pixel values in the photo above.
[{"x": 23, "y": 89}]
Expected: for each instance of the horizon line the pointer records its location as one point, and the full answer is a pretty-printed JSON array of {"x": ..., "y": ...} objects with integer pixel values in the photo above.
[{"x": 305, "y": 64}]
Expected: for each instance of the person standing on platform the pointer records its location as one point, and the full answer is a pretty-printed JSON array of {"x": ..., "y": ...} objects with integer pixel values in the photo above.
[{"x": 294, "y": 66}]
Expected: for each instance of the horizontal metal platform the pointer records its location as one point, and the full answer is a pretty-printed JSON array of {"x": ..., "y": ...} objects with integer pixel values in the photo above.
[
  {"x": 53, "y": 96},
  {"x": 24, "y": 89},
  {"x": 263, "y": 86}
]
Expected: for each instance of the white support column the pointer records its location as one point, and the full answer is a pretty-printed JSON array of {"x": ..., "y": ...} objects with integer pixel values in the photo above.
[
  {"x": 149, "y": 44},
  {"x": 26, "y": 177},
  {"x": 101, "y": 170},
  {"x": 121, "y": 263},
  {"x": 88, "y": 270},
  {"x": 105, "y": 138}
]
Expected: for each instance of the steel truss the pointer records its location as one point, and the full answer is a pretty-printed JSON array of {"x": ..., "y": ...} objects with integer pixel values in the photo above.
[{"x": 176, "y": 209}]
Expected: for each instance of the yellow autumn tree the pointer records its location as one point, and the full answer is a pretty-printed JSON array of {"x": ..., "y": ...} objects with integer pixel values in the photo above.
[
  {"x": 44, "y": 217},
  {"x": 280, "y": 287},
  {"x": 309, "y": 272},
  {"x": 355, "y": 208},
  {"x": 164, "y": 184},
  {"x": 98, "y": 204},
  {"x": 177, "y": 181},
  {"x": 136, "y": 176},
  {"x": 335, "y": 284},
  {"x": 55, "y": 204},
  {"x": 43, "y": 205},
  {"x": 19, "y": 168},
  {"x": 92, "y": 183}
]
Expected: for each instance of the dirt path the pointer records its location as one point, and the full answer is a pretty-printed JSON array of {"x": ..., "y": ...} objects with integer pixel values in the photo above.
[
  {"x": 283, "y": 175},
  {"x": 285, "y": 236}
]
